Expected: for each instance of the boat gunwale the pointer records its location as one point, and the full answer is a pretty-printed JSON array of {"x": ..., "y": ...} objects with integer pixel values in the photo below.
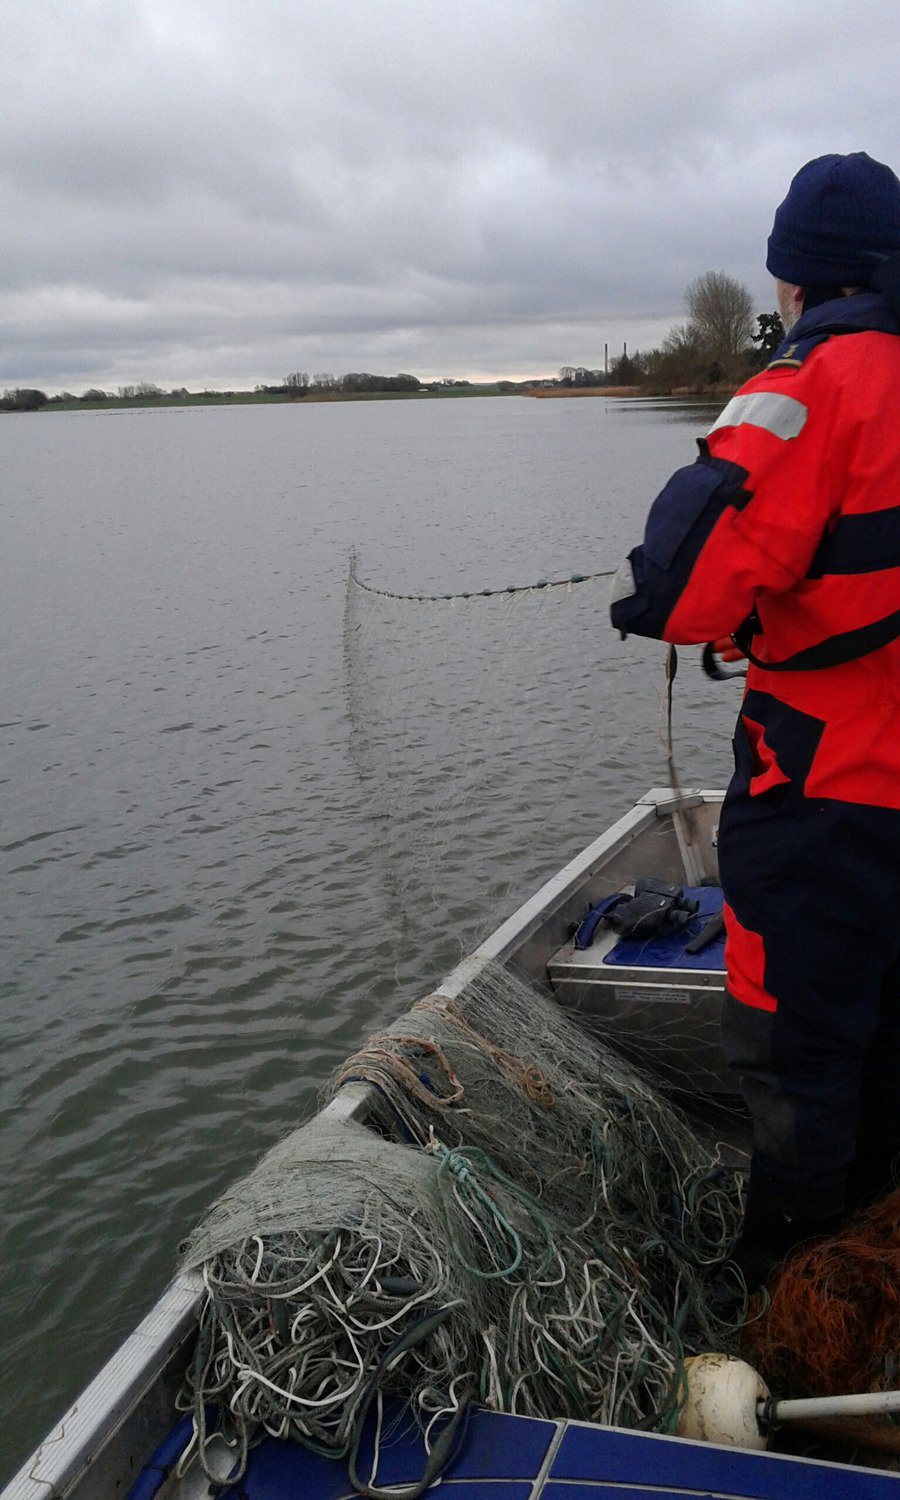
[{"x": 61, "y": 1466}]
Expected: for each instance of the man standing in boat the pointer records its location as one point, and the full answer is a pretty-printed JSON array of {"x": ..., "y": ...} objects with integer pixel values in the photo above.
[{"x": 786, "y": 533}]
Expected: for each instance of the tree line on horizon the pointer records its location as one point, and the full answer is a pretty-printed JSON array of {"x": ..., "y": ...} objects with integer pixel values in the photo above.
[
  {"x": 294, "y": 387},
  {"x": 25, "y": 398},
  {"x": 298, "y": 384}
]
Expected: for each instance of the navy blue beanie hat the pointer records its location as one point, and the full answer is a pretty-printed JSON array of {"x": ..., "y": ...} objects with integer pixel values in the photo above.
[{"x": 841, "y": 217}]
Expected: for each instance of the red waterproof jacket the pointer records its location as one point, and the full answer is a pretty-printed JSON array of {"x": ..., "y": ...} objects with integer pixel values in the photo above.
[
  {"x": 791, "y": 516},
  {"x": 793, "y": 511}
]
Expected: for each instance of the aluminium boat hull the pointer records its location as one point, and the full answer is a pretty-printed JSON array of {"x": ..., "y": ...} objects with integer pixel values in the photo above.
[{"x": 104, "y": 1445}]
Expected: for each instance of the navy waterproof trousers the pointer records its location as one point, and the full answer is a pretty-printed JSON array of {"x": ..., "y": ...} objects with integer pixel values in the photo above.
[{"x": 819, "y": 1060}]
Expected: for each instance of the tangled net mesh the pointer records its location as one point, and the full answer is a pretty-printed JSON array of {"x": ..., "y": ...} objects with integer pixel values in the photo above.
[
  {"x": 538, "y": 1241},
  {"x": 833, "y": 1320}
]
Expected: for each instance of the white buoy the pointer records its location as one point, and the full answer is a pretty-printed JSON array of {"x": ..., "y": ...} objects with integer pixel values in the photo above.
[{"x": 723, "y": 1394}]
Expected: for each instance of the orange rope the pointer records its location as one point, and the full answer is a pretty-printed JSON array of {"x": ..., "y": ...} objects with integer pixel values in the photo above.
[
  {"x": 381, "y": 1055},
  {"x": 833, "y": 1323},
  {"x": 530, "y": 1076}
]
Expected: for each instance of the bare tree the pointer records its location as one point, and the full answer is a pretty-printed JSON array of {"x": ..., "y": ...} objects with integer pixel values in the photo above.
[
  {"x": 296, "y": 384},
  {"x": 721, "y": 314},
  {"x": 683, "y": 342}
]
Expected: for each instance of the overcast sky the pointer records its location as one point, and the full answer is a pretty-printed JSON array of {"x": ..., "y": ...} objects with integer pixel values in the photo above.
[{"x": 216, "y": 192}]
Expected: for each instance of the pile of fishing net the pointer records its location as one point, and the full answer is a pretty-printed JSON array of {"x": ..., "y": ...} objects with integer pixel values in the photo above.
[
  {"x": 832, "y": 1326},
  {"x": 536, "y": 1237}
]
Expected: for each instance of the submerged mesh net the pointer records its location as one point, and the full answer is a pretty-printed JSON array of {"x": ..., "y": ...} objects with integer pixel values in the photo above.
[
  {"x": 539, "y": 1241},
  {"x": 490, "y": 734}
]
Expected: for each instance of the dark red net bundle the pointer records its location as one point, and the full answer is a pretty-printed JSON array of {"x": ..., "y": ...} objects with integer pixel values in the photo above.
[{"x": 833, "y": 1325}]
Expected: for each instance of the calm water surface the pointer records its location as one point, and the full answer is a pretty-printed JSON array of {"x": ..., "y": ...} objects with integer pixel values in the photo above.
[{"x": 245, "y": 817}]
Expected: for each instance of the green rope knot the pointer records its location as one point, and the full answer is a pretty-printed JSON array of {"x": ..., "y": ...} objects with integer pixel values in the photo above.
[
  {"x": 481, "y": 1204},
  {"x": 456, "y": 1163}
]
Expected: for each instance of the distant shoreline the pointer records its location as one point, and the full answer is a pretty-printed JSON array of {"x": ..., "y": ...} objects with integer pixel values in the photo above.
[
  {"x": 258, "y": 398},
  {"x": 264, "y": 398},
  {"x": 703, "y": 393},
  {"x": 583, "y": 390}
]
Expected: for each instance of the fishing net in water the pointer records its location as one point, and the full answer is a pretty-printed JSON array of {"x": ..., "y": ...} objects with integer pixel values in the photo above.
[
  {"x": 832, "y": 1326},
  {"x": 489, "y": 735},
  {"x": 493, "y": 737},
  {"x": 539, "y": 1241}
]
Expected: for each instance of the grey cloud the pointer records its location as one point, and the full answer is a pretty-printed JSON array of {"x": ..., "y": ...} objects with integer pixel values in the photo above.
[{"x": 293, "y": 184}]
